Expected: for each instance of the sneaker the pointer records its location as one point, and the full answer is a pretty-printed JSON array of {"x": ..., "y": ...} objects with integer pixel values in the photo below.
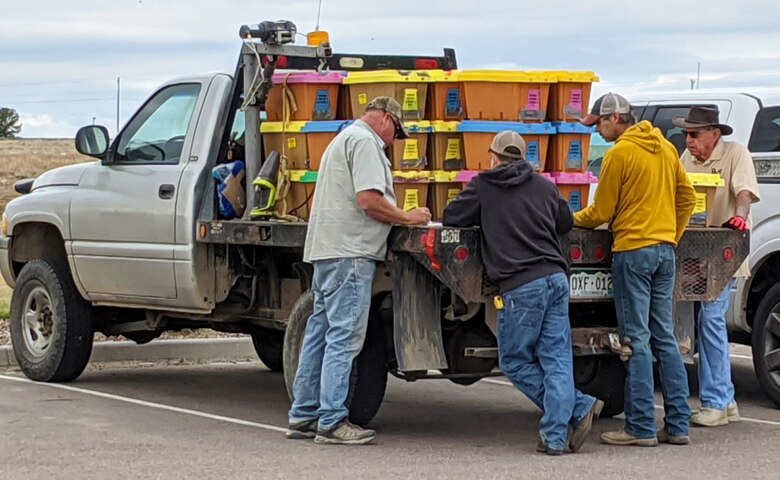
[
  {"x": 732, "y": 413},
  {"x": 710, "y": 417},
  {"x": 304, "y": 429},
  {"x": 345, "y": 433},
  {"x": 582, "y": 429},
  {"x": 622, "y": 438},
  {"x": 665, "y": 437}
]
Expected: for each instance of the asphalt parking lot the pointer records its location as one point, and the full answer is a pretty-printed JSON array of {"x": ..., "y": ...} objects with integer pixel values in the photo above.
[{"x": 226, "y": 421}]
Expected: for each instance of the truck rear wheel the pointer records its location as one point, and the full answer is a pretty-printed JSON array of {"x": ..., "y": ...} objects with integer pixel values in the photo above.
[
  {"x": 604, "y": 377},
  {"x": 369, "y": 371},
  {"x": 766, "y": 344},
  {"x": 51, "y": 325},
  {"x": 269, "y": 345}
]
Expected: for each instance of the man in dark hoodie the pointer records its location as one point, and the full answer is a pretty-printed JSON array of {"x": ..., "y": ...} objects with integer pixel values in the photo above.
[{"x": 521, "y": 215}]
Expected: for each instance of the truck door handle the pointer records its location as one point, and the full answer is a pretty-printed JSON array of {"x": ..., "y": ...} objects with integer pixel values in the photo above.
[{"x": 166, "y": 191}]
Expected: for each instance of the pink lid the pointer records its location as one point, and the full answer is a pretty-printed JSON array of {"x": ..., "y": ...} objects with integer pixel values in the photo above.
[
  {"x": 308, "y": 77},
  {"x": 547, "y": 176},
  {"x": 465, "y": 176},
  {"x": 578, "y": 178}
]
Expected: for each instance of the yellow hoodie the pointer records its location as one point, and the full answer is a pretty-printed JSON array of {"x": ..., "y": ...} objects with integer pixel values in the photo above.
[{"x": 643, "y": 193}]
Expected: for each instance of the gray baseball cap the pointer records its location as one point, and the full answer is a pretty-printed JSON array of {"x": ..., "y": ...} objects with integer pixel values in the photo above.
[
  {"x": 389, "y": 105},
  {"x": 607, "y": 104},
  {"x": 509, "y": 144}
]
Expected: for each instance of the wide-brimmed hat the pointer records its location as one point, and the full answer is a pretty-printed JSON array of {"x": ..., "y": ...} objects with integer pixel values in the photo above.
[{"x": 703, "y": 117}]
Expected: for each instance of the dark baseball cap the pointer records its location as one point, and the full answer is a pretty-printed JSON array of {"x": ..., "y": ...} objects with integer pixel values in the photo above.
[
  {"x": 389, "y": 105},
  {"x": 607, "y": 104}
]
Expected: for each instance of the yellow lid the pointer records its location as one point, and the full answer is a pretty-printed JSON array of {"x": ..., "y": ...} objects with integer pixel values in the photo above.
[
  {"x": 390, "y": 76},
  {"x": 441, "y": 176},
  {"x": 706, "y": 180},
  {"x": 574, "y": 76},
  {"x": 420, "y": 176},
  {"x": 506, "y": 76},
  {"x": 444, "y": 75},
  {"x": 442, "y": 126},
  {"x": 281, "y": 127}
]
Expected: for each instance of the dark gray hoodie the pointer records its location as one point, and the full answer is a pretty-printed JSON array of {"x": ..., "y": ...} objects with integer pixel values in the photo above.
[{"x": 521, "y": 216}]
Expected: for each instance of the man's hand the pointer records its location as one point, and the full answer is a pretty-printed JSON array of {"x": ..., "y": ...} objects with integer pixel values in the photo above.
[
  {"x": 418, "y": 216},
  {"x": 736, "y": 223}
]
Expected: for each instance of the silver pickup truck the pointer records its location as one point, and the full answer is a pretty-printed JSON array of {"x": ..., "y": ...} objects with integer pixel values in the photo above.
[{"x": 132, "y": 244}]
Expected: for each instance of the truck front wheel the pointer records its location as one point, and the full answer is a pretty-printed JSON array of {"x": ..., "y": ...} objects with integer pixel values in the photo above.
[
  {"x": 51, "y": 325},
  {"x": 604, "y": 377},
  {"x": 766, "y": 344},
  {"x": 369, "y": 371}
]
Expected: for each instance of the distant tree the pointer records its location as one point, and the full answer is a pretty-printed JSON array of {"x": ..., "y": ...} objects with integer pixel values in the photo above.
[{"x": 9, "y": 123}]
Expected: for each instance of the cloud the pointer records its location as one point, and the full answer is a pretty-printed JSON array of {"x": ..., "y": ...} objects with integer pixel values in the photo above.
[{"x": 62, "y": 59}]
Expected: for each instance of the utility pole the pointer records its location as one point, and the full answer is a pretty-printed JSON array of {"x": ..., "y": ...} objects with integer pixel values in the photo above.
[
  {"x": 93, "y": 120},
  {"x": 117, "y": 104},
  {"x": 698, "y": 76}
]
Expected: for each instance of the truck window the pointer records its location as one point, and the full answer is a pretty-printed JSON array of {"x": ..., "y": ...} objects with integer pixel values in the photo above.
[
  {"x": 663, "y": 121},
  {"x": 766, "y": 133},
  {"x": 156, "y": 133}
]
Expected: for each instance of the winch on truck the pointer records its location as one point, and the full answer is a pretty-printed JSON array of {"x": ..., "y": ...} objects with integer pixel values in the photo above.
[{"x": 134, "y": 244}]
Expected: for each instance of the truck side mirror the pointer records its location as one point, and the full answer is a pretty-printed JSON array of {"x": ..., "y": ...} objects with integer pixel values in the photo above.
[{"x": 92, "y": 140}]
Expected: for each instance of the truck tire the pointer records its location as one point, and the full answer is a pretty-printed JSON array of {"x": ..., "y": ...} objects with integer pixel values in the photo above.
[
  {"x": 269, "y": 345},
  {"x": 51, "y": 325},
  {"x": 604, "y": 377},
  {"x": 369, "y": 371},
  {"x": 766, "y": 344}
]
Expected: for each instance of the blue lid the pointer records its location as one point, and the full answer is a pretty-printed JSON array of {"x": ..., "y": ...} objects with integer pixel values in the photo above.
[
  {"x": 325, "y": 126},
  {"x": 565, "y": 127},
  {"x": 481, "y": 126}
]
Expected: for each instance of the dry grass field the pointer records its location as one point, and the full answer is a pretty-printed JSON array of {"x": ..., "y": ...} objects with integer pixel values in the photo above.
[{"x": 20, "y": 159}]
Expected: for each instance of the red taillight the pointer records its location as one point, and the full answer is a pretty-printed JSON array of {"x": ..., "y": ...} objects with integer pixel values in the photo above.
[
  {"x": 575, "y": 253},
  {"x": 728, "y": 254},
  {"x": 430, "y": 246},
  {"x": 426, "y": 64},
  {"x": 599, "y": 253},
  {"x": 461, "y": 253},
  {"x": 281, "y": 61}
]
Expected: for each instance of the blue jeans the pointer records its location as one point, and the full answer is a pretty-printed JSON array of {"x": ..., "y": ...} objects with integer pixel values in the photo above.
[
  {"x": 643, "y": 282},
  {"x": 534, "y": 345},
  {"x": 715, "y": 387},
  {"x": 334, "y": 337}
]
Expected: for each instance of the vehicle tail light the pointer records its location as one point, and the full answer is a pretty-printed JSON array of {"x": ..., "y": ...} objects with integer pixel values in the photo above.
[
  {"x": 426, "y": 64},
  {"x": 575, "y": 253},
  {"x": 461, "y": 253},
  {"x": 599, "y": 253},
  {"x": 430, "y": 245},
  {"x": 728, "y": 254},
  {"x": 281, "y": 61}
]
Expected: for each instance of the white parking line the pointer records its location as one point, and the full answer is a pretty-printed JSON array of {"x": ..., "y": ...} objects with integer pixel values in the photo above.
[
  {"x": 659, "y": 407},
  {"x": 144, "y": 403}
]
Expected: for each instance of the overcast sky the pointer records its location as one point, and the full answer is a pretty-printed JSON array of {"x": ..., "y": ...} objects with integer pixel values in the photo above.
[{"x": 59, "y": 60}]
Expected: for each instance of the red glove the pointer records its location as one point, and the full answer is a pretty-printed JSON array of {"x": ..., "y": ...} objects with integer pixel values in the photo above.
[{"x": 736, "y": 223}]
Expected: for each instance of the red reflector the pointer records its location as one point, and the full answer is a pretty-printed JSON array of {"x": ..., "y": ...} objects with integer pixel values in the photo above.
[
  {"x": 461, "y": 253},
  {"x": 575, "y": 253},
  {"x": 426, "y": 64},
  {"x": 728, "y": 254},
  {"x": 599, "y": 253},
  {"x": 281, "y": 61}
]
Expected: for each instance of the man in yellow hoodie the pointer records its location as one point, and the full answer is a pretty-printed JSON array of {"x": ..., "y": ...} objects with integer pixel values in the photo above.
[{"x": 646, "y": 198}]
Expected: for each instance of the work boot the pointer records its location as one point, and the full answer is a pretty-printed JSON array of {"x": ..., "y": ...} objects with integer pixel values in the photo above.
[
  {"x": 665, "y": 437},
  {"x": 305, "y": 429},
  {"x": 583, "y": 428},
  {"x": 541, "y": 447},
  {"x": 710, "y": 417},
  {"x": 622, "y": 438},
  {"x": 345, "y": 433},
  {"x": 732, "y": 413}
]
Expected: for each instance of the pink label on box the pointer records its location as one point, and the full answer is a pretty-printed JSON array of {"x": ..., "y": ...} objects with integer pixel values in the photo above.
[
  {"x": 575, "y": 99},
  {"x": 533, "y": 101}
]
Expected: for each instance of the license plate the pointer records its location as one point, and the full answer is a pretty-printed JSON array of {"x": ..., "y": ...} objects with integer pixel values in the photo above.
[{"x": 590, "y": 283}]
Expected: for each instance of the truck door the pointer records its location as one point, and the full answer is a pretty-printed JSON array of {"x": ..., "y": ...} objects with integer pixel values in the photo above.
[{"x": 124, "y": 212}]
